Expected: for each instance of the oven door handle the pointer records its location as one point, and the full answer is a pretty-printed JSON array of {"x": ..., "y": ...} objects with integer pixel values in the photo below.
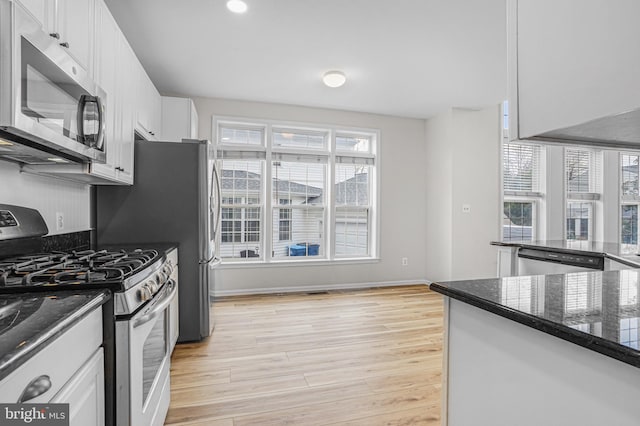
[{"x": 160, "y": 305}]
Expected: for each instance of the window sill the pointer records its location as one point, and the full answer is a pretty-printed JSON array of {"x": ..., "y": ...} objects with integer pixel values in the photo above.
[{"x": 287, "y": 263}]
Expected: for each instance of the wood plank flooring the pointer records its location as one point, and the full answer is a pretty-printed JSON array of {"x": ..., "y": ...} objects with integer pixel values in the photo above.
[{"x": 362, "y": 357}]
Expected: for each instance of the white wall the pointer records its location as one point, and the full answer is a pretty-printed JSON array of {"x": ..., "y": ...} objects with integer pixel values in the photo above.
[
  {"x": 48, "y": 196},
  {"x": 402, "y": 225},
  {"x": 463, "y": 158}
]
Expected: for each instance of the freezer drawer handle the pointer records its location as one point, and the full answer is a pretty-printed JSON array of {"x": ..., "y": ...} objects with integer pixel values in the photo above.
[{"x": 35, "y": 388}]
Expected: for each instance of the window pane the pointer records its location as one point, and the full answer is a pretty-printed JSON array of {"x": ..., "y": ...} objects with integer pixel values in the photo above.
[
  {"x": 629, "y": 224},
  {"x": 520, "y": 165},
  {"x": 629, "y": 174},
  {"x": 352, "y": 232},
  {"x": 518, "y": 221},
  {"x": 241, "y": 181},
  {"x": 578, "y": 170},
  {"x": 353, "y": 143},
  {"x": 579, "y": 220},
  {"x": 298, "y": 183},
  {"x": 241, "y": 136},
  {"x": 352, "y": 184},
  {"x": 299, "y": 139},
  {"x": 306, "y": 234}
]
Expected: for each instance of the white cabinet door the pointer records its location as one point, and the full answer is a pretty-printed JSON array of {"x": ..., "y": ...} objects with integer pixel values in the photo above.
[
  {"x": 127, "y": 73},
  {"x": 75, "y": 24},
  {"x": 42, "y": 10},
  {"x": 149, "y": 107},
  {"x": 85, "y": 393},
  {"x": 107, "y": 49},
  {"x": 574, "y": 61}
]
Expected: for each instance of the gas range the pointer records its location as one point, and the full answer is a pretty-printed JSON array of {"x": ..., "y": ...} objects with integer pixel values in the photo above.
[
  {"x": 140, "y": 326},
  {"x": 133, "y": 275}
]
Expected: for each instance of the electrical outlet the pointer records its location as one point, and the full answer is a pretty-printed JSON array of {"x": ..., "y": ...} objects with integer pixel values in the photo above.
[
  {"x": 405, "y": 261},
  {"x": 466, "y": 208},
  {"x": 59, "y": 221}
]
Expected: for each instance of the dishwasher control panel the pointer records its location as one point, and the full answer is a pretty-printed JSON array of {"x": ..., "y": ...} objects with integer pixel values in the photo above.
[{"x": 582, "y": 260}]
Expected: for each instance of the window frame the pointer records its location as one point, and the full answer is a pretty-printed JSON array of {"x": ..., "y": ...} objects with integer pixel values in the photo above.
[{"x": 270, "y": 205}]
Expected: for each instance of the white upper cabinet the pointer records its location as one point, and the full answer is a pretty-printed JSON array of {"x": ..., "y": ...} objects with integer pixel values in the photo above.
[
  {"x": 573, "y": 70},
  {"x": 114, "y": 73},
  {"x": 149, "y": 106},
  {"x": 179, "y": 119},
  {"x": 74, "y": 23},
  {"x": 70, "y": 22}
]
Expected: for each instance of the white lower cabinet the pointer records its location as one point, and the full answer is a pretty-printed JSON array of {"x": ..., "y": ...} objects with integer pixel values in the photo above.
[
  {"x": 85, "y": 393},
  {"x": 68, "y": 370}
]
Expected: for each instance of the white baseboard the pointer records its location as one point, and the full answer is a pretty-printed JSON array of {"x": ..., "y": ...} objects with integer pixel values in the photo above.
[{"x": 314, "y": 288}]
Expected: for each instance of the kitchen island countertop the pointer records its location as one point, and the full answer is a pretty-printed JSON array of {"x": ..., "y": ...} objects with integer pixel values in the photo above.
[
  {"x": 30, "y": 321},
  {"x": 596, "y": 310}
]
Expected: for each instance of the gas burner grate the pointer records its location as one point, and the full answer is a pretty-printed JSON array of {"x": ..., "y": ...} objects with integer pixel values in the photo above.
[{"x": 79, "y": 267}]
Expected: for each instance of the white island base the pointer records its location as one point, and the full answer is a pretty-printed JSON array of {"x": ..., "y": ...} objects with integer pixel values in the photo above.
[{"x": 499, "y": 372}]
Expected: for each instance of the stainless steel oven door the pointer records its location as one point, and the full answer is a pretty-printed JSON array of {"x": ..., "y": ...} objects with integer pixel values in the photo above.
[{"x": 143, "y": 360}]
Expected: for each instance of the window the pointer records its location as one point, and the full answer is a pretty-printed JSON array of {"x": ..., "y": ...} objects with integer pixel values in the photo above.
[
  {"x": 300, "y": 180},
  {"x": 242, "y": 203},
  {"x": 521, "y": 165},
  {"x": 296, "y": 193},
  {"x": 582, "y": 171},
  {"x": 630, "y": 200}
]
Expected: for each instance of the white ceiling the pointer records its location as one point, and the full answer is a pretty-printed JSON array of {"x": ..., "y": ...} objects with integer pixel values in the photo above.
[{"x": 411, "y": 58}]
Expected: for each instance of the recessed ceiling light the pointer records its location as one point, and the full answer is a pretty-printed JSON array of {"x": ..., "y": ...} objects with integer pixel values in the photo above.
[
  {"x": 237, "y": 6},
  {"x": 334, "y": 78}
]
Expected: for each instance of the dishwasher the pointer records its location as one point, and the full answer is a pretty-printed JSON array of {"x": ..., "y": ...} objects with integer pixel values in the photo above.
[{"x": 543, "y": 262}]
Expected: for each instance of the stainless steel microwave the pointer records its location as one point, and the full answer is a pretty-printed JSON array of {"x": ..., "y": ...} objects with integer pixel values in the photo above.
[{"x": 50, "y": 109}]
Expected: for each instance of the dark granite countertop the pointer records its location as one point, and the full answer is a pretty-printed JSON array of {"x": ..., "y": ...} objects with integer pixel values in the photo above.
[
  {"x": 30, "y": 321},
  {"x": 597, "y": 310},
  {"x": 624, "y": 253}
]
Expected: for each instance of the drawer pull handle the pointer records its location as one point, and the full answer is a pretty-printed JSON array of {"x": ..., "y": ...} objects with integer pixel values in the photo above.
[{"x": 35, "y": 388}]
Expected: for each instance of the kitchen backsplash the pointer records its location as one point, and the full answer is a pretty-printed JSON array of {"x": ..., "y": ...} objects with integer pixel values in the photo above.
[
  {"x": 52, "y": 197},
  {"x": 61, "y": 242}
]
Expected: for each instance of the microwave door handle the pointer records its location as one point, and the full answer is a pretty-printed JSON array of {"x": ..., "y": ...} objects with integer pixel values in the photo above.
[
  {"x": 101, "y": 122},
  {"x": 82, "y": 104},
  {"x": 98, "y": 140},
  {"x": 160, "y": 306}
]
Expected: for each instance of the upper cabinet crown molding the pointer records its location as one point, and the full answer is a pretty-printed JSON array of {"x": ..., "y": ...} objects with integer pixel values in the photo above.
[{"x": 573, "y": 71}]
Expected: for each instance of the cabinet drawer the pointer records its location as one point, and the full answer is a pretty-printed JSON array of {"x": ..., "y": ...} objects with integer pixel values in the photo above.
[{"x": 59, "y": 360}]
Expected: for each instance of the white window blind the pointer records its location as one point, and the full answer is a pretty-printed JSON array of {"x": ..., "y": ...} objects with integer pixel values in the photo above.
[
  {"x": 582, "y": 168},
  {"x": 521, "y": 167}
]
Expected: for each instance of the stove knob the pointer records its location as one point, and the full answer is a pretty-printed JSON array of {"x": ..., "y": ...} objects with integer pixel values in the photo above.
[
  {"x": 144, "y": 294},
  {"x": 151, "y": 286}
]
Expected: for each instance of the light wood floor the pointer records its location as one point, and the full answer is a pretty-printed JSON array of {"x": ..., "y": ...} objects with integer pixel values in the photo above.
[{"x": 365, "y": 357}]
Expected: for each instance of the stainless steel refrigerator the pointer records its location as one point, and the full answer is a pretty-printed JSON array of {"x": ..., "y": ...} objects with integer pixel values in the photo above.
[{"x": 174, "y": 199}]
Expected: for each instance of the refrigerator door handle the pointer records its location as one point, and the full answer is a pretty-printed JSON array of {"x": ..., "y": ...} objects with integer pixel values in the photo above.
[{"x": 218, "y": 200}]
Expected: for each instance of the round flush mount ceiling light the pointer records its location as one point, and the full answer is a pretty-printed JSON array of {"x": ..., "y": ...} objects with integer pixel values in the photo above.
[
  {"x": 237, "y": 6},
  {"x": 334, "y": 78}
]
